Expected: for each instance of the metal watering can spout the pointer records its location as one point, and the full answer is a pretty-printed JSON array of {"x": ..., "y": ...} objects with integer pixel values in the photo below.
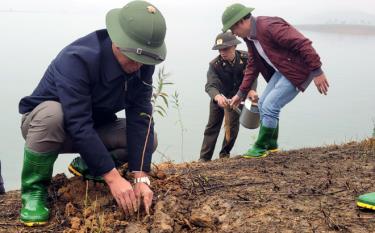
[{"x": 249, "y": 115}]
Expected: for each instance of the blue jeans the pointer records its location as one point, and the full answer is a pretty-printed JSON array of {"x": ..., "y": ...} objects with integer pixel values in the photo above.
[{"x": 278, "y": 93}]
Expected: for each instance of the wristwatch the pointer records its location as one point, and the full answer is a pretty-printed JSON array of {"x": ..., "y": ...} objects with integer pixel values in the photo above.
[{"x": 143, "y": 179}]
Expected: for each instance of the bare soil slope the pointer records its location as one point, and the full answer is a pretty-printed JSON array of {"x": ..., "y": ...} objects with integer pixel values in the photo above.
[{"x": 306, "y": 190}]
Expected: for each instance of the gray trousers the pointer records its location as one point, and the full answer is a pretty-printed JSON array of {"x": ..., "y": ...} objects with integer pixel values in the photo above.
[
  {"x": 43, "y": 130},
  {"x": 211, "y": 133}
]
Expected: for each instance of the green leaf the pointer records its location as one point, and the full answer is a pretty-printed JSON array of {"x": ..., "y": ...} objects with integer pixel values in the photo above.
[
  {"x": 145, "y": 114},
  {"x": 160, "y": 108},
  {"x": 165, "y": 100},
  {"x": 161, "y": 114}
]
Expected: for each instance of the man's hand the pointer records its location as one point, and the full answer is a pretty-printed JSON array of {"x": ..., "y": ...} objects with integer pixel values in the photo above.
[
  {"x": 321, "y": 83},
  {"x": 253, "y": 95},
  {"x": 235, "y": 101},
  {"x": 221, "y": 100},
  {"x": 122, "y": 191},
  {"x": 142, "y": 190}
]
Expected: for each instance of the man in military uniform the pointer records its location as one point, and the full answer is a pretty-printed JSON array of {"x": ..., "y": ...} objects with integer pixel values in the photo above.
[
  {"x": 73, "y": 109},
  {"x": 224, "y": 76}
]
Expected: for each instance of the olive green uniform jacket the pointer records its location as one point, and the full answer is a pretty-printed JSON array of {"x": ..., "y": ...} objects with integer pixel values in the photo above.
[{"x": 225, "y": 78}]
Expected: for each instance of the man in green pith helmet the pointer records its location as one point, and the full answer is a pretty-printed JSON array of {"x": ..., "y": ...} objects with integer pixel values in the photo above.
[
  {"x": 286, "y": 60},
  {"x": 224, "y": 76},
  {"x": 73, "y": 109}
]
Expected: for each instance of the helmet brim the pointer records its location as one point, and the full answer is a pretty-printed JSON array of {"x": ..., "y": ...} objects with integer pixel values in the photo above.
[
  {"x": 122, "y": 40},
  {"x": 236, "y": 18},
  {"x": 226, "y": 44}
]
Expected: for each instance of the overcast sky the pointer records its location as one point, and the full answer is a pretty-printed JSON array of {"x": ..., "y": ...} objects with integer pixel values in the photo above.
[{"x": 186, "y": 8}]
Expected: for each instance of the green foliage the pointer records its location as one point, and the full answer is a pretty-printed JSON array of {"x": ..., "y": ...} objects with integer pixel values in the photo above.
[
  {"x": 159, "y": 93},
  {"x": 160, "y": 104},
  {"x": 176, "y": 100}
]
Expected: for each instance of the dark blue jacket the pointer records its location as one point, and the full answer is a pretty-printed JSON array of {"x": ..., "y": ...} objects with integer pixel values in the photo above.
[{"x": 88, "y": 81}]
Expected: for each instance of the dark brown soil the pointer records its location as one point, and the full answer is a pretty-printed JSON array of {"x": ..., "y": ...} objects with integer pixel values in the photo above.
[{"x": 306, "y": 190}]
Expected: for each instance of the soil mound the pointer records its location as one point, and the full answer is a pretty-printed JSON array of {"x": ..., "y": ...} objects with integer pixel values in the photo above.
[{"x": 305, "y": 190}]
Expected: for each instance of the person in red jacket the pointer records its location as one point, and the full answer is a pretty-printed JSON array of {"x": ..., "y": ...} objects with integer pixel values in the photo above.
[{"x": 286, "y": 60}]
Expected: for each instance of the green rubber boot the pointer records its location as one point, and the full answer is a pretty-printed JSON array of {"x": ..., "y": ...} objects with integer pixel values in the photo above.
[
  {"x": 260, "y": 147},
  {"x": 366, "y": 201},
  {"x": 36, "y": 176},
  {"x": 78, "y": 167},
  {"x": 273, "y": 146}
]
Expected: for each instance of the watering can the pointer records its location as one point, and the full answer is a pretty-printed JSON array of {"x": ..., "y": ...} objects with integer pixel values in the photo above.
[{"x": 249, "y": 115}]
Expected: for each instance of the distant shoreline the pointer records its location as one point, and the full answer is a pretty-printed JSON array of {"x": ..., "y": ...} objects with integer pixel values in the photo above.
[{"x": 350, "y": 29}]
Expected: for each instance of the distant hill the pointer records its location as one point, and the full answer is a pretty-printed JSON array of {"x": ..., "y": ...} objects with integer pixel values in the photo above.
[
  {"x": 341, "y": 18},
  {"x": 351, "y": 29},
  {"x": 343, "y": 22}
]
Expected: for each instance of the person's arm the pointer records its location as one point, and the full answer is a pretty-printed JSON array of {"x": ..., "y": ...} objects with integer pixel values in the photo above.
[
  {"x": 250, "y": 76},
  {"x": 139, "y": 92},
  {"x": 213, "y": 84},
  {"x": 254, "y": 85},
  {"x": 73, "y": 90},
  {"x": 213, "y": 87},
  {"x": 290, "y": 38},
  {"x": 252, "y": 94}
]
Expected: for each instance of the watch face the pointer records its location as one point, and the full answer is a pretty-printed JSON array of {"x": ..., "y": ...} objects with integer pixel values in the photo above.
[{"x": 145, "y": 180}]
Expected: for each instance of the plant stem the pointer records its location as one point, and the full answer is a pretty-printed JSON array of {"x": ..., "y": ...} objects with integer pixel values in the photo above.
[{"x": 146, "y": 141}]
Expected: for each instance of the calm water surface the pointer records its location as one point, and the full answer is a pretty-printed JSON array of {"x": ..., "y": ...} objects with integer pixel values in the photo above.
[{"x": 347, "y": 113}]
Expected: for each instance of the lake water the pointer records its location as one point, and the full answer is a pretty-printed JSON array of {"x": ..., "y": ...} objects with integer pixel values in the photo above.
[{"x": 29, "y": 42}]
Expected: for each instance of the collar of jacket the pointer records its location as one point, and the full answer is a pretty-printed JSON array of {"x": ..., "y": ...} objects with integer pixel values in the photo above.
[
  {"x": 253, "y": 30},
  {"x": 234, "y": 61},
  {"x": 237, "y": 60},
  {"x": 112, "y": 68}
]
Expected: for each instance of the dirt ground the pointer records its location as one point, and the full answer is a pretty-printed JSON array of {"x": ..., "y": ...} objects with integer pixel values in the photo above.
[{"x": 305, "y": 190}]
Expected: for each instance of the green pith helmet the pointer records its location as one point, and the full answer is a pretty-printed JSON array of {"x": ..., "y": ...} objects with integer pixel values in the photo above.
[
  {"x": 225, "y": 40},
  {"x": 233, "y": 14},
  {"x": 139, "y": 30}
]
